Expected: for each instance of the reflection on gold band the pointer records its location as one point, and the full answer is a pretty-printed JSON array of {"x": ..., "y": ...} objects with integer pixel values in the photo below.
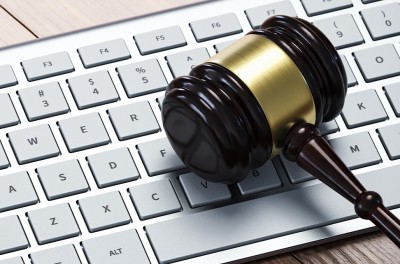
[{"x": 274, "y": 79}]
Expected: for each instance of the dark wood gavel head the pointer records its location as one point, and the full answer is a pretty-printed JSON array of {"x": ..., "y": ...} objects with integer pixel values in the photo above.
[{"x": 234, "y": 111}]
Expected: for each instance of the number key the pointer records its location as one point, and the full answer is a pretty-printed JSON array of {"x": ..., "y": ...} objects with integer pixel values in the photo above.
[
  {"x": 181, "y": 63},
  {"x": 43, "y": 101},
  {"x": 341, "y": 30},
  {"x": 382, "y": 21},
  {"x": 93, "y": 89},
  {"x": 142, "y": 78}
]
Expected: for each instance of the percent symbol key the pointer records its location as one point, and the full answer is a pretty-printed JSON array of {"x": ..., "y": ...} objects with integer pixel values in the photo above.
[{"x": 142, "y": 78}]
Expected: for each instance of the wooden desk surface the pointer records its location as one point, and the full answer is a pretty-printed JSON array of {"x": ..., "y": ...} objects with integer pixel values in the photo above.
[{"x": 24, "y": 20}]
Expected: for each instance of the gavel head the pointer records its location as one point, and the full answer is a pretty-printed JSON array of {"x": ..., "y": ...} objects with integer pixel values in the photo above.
[{"x": 233, "y": 112}]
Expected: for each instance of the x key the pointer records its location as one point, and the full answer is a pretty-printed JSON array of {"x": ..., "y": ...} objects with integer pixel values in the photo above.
[{"x": 104, "y": 211}]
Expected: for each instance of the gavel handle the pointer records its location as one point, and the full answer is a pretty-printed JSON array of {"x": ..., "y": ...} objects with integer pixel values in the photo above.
[{"x": 305, "y": 146}]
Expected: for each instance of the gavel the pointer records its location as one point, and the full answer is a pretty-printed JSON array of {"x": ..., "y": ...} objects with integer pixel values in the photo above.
[{"x": 263, "y": 95}]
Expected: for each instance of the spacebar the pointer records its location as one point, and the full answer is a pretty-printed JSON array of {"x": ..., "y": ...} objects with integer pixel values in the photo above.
[{"x": 263, "y": 218}]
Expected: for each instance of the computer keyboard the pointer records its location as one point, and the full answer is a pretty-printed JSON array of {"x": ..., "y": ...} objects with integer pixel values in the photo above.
[{"x": 88, "y": 176}]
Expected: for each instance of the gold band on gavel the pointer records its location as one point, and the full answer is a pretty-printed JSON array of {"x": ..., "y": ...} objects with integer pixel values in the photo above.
[{"x": 274, "y": 79}]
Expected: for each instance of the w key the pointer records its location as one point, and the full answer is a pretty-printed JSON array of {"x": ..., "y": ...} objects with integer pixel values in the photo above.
[{"x": 34, "y": 143}]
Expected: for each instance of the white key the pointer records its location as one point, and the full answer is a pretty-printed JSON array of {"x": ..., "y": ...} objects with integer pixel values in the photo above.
[
  {"x": 341, "y": 30},
  {"x": 215, "y": 27},
  {"x": 93, "y": 89},
  {"x": 133, "y": 120},
  {"x": 260, "y": 179},
  {"x": 389, "y": 135},
  {"x": 316, "y": 7},
  {"x": 181, "y": 63},
  {"x": 7, "y": 76},
  {"x": 201, "y": 192},
  {"x": 34, "y": 143},
  {"x": 83, "y": 132},
  {"x": 113, "y": 167},
  {"x": 62, "y": 179},
  {"x": 159, "y": 157},
  {"x": 154, "y": 199},
  {"x": 257, "y": 15},
  {"x": 378, "y": 62},
  {"x": 4, "y": 163},
  {"x": 294, "y": 172},
  {"x": 363, "y": 108},
  {"x": 43, "y": 101},
  {"x": 8, "y": 115},
  {"x": 351, "y": 79},
  {"x": 17, "y": 191},
  {"x": 53, "y": 223},
  {"x": 16, "y": 260},
  {"x": 104, "y": 52},
  {"x": 382, "y": 21},
  {"x": 393, "y": 94},
  {"x": 118, "y": 248},
  {"x": 356, "y": 150},
  {"x": 161, "y": 39},
  {"x": 142, "y": 78},
  {"x": 104, "y": 211},
  {"x": 47, "y": 66},
  {"x": 12, "y": 235},
  {"x": 59, "y": 255}
]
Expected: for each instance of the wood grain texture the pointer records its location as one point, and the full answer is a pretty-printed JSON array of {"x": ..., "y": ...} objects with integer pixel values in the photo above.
[
  {"x": 49, "y": 17},
  {"x": 11, "y": 31},
  {"x": 282, "y": 259},
  {"x": 371, "y": 248}
]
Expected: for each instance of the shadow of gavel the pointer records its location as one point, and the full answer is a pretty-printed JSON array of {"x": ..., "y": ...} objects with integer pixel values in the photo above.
[{"x": 263, "y": 95}]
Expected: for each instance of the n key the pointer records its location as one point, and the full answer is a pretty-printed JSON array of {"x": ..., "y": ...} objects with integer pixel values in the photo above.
[{"x": 34, "y": 143}]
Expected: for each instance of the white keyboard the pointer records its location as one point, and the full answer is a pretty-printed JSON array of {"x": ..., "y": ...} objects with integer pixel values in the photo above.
[{"x": 88, "y": 176}]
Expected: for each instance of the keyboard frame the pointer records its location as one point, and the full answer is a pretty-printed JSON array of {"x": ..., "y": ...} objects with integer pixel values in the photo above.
[{"x": 126, "y": 29}]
